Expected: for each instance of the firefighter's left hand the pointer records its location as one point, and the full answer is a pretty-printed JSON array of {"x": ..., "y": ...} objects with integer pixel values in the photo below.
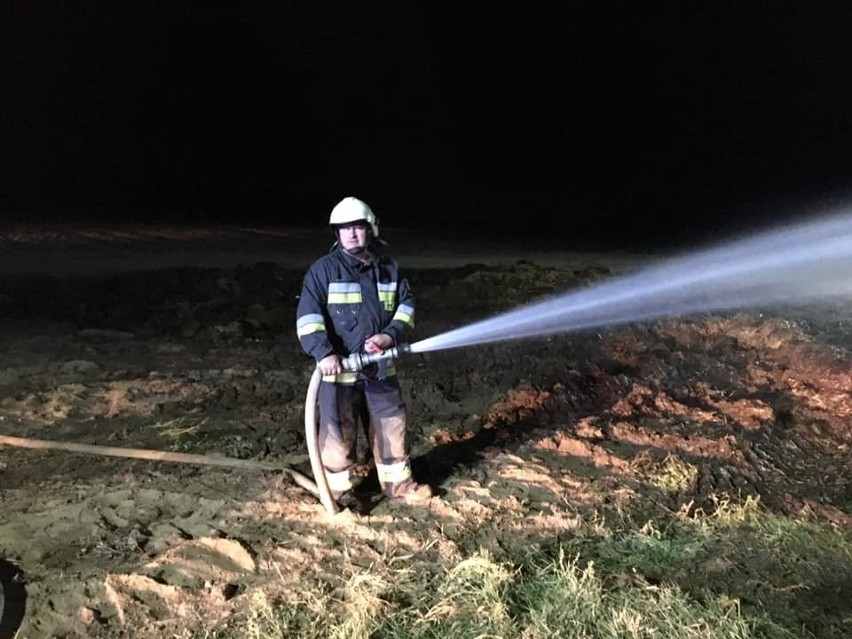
[{"x": 378, "y": 343}]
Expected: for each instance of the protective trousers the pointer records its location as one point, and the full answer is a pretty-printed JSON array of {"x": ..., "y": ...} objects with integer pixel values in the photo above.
[{"x": 341, "y": 407}]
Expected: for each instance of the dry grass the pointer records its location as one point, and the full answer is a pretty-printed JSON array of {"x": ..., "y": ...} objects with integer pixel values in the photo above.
[{"x": 734, "y": 573}]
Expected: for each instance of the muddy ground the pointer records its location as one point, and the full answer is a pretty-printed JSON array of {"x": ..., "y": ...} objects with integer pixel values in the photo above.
[{"x": 112, "y": 342}]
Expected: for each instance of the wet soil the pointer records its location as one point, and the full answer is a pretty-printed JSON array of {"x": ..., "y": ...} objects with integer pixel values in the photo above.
[{"x": 518, "y": 438}]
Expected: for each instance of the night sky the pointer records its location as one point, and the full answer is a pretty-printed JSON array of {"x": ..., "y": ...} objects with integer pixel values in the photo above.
[{"x": 622, "y": 122}]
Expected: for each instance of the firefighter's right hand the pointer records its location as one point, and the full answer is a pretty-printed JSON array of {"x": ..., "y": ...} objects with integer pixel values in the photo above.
[{"x": 330, "y": 365}]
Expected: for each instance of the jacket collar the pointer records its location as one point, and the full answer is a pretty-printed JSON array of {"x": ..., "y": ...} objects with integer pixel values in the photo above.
[{"x": 371, "y": 260}]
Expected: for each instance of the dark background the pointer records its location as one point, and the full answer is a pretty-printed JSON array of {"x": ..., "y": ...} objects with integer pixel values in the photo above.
[{"x": 619, "y": 123}]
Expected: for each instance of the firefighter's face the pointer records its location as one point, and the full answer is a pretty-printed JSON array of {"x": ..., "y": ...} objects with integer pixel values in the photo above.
[{"x": 353, "y": 237}]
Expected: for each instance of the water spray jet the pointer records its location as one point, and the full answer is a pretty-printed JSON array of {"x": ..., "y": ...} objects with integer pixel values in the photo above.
[{"x": 802, "y": 263}]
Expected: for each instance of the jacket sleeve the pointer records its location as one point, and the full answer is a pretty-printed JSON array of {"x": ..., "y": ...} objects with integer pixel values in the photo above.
[
  {"x": 402, "y": 322},
  {"x": 311, "y": 318}
]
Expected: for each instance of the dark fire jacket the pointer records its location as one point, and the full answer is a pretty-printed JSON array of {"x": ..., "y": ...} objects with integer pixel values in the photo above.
[{"x": 344, "y": 301}]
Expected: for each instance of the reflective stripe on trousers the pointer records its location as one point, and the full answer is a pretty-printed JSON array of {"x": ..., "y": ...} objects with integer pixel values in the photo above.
[{"x": 394, "y": 473}]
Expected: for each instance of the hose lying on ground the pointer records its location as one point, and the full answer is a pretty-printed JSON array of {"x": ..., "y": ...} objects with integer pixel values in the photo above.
[{"x": 159, "y": 455}]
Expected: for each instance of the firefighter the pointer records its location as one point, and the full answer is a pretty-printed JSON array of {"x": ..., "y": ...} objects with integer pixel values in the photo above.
[{"x": 354, "y": 299}]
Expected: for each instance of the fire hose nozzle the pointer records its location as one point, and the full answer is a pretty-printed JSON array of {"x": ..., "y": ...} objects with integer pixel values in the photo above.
[{"x": 357, "y": 361}]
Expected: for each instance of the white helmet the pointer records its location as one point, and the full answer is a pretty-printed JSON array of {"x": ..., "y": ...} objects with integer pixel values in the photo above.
[{"x": 351, "y": 209}]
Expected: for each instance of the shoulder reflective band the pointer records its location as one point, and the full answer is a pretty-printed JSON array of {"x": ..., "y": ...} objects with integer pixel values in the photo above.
[
  {"x": 344, "y": 293},
  {"x": 307, "y": 324}
]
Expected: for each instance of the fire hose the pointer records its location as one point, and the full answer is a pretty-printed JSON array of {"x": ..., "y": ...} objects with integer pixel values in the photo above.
[{"x": 160, "y": 455}]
